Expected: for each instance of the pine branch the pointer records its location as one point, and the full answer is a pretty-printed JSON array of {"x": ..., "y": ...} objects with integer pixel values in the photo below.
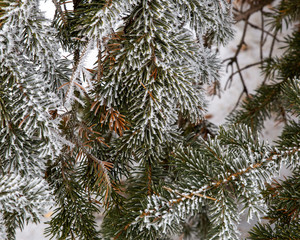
[{"x": 165, "y": 211}]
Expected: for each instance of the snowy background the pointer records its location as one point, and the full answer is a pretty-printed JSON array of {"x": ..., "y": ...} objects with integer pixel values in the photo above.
[{"x": 218, "y": 108}]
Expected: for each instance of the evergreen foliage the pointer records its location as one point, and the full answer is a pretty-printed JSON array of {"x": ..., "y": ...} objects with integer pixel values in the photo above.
[
  {"x": 29, "y": 136},
  {"x": 128, "y": 137},
  {"x": 280, "y": 97},
  {"x": 283, "y": 210}
]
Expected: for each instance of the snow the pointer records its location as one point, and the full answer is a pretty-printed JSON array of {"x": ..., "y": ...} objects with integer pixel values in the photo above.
[
  {"x": 47, "y": 6},
  {"x": 33, "y": 232},
  {"x": 218, "y": 108}
]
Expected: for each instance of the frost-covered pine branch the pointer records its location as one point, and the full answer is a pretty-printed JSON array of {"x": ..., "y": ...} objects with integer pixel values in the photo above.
[
  {"x": 127, "y": 134},
  {"x": 222, "y": 175},
  {"x": 29, "y": 132}
]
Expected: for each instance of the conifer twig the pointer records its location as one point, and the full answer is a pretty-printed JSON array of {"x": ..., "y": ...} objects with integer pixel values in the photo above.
[
  {"x": 274, "y": 155},
  {"x": 59, "y": 10}
]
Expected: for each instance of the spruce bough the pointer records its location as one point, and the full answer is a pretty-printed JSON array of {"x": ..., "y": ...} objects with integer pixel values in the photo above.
[{"x": 126, "y": 137}]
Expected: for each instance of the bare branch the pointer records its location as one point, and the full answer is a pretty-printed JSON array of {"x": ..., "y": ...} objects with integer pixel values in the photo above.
[{"x": 254, "y": 8}]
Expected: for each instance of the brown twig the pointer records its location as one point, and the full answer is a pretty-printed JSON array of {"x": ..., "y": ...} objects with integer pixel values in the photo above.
[
  {"x": 262, "y": 35},
  {"x": 254, "y": 8},
  {"x": 60, "y": 11},
  {"x": 99, "y": 62},
  {"x": 271, "y": 52},
  {"x": 265, "y": 31},
  {"x": 241, "y": 14},
  {"x": 242, "y": 69},
  {"x": 234, "y": 59}
]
